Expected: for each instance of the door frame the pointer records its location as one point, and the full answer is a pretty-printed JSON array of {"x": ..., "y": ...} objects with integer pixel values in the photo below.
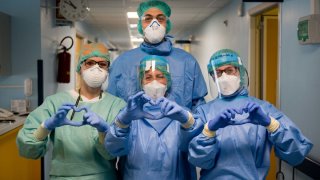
[{"x": 253, "y": 12}]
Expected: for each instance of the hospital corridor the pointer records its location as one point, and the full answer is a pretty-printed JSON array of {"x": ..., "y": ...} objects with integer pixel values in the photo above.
[{"x": 159, "y": 89}]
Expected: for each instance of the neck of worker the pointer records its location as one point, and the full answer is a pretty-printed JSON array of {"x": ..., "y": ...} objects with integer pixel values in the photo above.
[{"x": 90, "y": 92}]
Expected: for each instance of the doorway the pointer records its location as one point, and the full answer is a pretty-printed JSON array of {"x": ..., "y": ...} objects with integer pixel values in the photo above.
[
  {"x": 78, "y": 45},
  {"x": 264, "y": 59}
]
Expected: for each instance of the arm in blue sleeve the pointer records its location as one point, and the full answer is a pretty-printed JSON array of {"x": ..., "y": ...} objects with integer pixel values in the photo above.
[
  {"x": 188, "y": 133},
  {"x": 203, "y": 151},
  {"x": 289, "y": 142},
  {"x": 117, "y": 140}
]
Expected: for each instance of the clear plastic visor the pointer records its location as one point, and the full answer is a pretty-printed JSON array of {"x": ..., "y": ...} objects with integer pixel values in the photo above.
[
  {"x": 225, "y": 80},
  {"x": 153, "y": 70}
]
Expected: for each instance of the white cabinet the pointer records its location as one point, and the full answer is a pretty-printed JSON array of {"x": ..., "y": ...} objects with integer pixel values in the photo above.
[{"x": 5, "y": 44}]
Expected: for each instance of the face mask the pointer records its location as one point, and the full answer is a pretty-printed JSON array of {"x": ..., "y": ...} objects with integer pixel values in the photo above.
[
  {"x": 154, "y": 32},
  {"x": 105, "y": 84},
  {"x": 94, "y": 76},
  {"x": 155, "y": 89},
  {"x": 228, "y": 84}
]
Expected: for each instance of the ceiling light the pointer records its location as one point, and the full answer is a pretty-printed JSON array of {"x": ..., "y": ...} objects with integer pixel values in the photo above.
[
  {"x": 135, "y": 39},
  {"x": 132, "y": 15},
  {"x": 133, "y": 25}
]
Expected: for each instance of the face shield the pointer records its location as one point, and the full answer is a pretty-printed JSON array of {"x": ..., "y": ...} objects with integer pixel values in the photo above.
[
  {"x": 154, "y": 76},
  {"x": 226, "y": 73}
]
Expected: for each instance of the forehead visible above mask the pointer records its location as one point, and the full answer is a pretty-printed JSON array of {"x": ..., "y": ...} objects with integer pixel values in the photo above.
[
  {"x": 155, "y": 62},
  {"x": 162, "y": 6},
  {"x": 93, "y": 50}
]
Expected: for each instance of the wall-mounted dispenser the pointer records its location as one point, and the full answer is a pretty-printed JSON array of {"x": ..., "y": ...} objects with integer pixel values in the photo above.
[{"x": 309, "y": 29}]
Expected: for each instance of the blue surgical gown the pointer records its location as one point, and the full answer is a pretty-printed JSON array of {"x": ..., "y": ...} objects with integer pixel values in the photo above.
[
  {"x": 243, "y": 151},
  {"x": 153, "y": 149},
  {"x": 188, "y": 85}
]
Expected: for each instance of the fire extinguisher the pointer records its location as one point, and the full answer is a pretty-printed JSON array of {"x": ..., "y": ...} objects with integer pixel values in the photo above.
[{"x": 64, "y": 62}]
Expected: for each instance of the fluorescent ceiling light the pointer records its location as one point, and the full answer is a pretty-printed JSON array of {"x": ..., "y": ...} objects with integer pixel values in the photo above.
[
  {"x": 132, "y": 15},
  {"x": 133, "y": 25},
  {"x": 135, "y": 39}
]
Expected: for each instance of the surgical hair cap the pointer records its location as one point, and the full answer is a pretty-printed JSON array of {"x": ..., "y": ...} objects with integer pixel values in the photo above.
[
  {"x": 227, "y": 57},
  {"x": 93, "y": 50},
  {"x": 160, "y": 64},
  {"x": 162, "y": 6}
]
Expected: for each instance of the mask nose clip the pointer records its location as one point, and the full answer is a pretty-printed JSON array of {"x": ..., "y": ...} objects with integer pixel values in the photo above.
[{"x": 154, "y": 24}]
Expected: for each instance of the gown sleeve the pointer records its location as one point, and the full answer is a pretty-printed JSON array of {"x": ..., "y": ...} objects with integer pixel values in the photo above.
[
  {"x": 203, "y": 150},
  {"x": 117, "y": 105},
  {"x": 117, "y": 140},
  {"x": 289, "y": 142},
  {"x": 28, "y": 145}
]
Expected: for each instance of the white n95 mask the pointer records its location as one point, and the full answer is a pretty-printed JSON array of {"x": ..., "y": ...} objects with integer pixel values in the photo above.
[
  {"x": 155, "y": 89},
  {"x": 228, "y": 84},
  {"x": 94, "y": 76},
  {"x": 154, "y": 32}
]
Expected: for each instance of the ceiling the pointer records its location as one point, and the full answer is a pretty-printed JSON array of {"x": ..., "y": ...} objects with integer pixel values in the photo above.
[{"x": 110, "y": 16}]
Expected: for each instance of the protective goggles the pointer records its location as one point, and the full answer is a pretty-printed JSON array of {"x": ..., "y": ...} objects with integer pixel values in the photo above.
[{"x": 102, "y": 64}]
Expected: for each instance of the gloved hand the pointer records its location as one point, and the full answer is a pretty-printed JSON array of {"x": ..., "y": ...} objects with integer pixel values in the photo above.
[
  {"x": 94, "y": 120},
  {"x": 134, "y": 109},
  {"x": 256, "y": 114},
  {"x": 223, "y": 119},
  {"x": 59, "y": 119},
  {"x": 172, "y": 110}
]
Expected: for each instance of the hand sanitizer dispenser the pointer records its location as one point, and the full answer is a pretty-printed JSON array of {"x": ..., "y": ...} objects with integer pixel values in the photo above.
[{"x": 309, "y": 29}]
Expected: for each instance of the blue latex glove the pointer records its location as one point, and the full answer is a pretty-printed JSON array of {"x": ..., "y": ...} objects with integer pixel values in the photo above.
[
  {"x": 134, "y": 109},
  {"x": 94, "y": 120},
  {"x": 59, "y": 119},
  {"x": 223, "y": 119},
  {"x": 256, "y": 114},
  {"x": 172, "y": 110}
]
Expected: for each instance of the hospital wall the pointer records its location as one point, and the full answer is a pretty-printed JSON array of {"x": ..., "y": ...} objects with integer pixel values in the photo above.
[
  {"x": 299, "y": 64},
  {"x": 25, "y": 49},
  {"x": 35, "y": 35},
  {"x": 51, "y": 36}
]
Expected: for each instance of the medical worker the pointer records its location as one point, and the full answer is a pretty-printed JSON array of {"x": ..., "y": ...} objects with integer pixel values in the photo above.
[
  {"x": 75, "y": 123},
  {"x": 240, "y": 130},
  {"x": 188, "y": 87},
  {"x": 151, "y": 135}
]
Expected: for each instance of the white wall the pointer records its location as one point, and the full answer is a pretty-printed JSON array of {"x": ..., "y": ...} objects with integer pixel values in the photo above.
[
  {"x": 25, "y": 49},
  {"x": 50, "y": 38},
  {"x": 299, "y": 79},
  {"x": 213, "y": 35}
]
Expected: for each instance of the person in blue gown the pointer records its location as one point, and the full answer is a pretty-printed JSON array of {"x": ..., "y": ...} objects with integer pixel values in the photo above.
[
  {"x": 151, "y": 135},
  {"x": 188, "y": 86},
  {"x": 240, "y": 130}
]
